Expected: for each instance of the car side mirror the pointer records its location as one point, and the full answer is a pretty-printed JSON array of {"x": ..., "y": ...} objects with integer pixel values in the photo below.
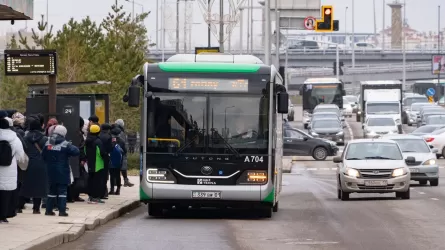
[
  {"x": 337, "y": 159},
  {"x": 434, "y": 150},
  {"x": 305, "y": 138},
  {"x": 431, "y": 146},
  {"x": 283, "y": 103},
  {"x": 410, "y": 159}
]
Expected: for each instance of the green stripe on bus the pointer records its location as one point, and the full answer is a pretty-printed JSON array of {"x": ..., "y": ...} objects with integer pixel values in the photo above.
[
  {"x": 142, "y": 194},
  {"x": 269, "y": 198},
  {"x": 209, "y": 67}
]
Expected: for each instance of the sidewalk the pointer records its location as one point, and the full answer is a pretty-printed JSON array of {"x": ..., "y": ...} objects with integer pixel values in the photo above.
[{"x": 40, "y": 232}]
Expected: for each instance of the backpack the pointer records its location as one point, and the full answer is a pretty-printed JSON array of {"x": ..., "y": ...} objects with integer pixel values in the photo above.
[
  {"x": 116, "y": 155},
  {"x": 5, "y": 154}
]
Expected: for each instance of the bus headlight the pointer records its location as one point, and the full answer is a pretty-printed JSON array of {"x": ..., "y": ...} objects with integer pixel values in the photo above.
[
  {"x": 255, "y": 177},
  {"x": 159, "y": 175}
]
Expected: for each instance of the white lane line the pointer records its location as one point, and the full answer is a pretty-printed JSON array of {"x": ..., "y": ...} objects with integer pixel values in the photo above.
[
  {"x": 312, "y": 169},
  {"x": 333, "y": 168},
  {"x": 351, "y": 135},
  {"x": 325, "y": 169},
  {"x": 421, "y": 192},
  {"x": 411, "y": 188},
  {"x": 434, "y": 199}
]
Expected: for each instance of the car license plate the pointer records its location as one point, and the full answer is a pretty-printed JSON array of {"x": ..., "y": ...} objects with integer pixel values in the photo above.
[
  {"x": 376, "y": 183},
  {"x": 414, "y": 170},
  {"x": 206, "y": 195}
]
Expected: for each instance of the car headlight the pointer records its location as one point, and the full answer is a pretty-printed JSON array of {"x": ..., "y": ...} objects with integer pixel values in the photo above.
[
  {"x": 352, "y": 172},
  {"x": 398, "y": 172},
  {"x": 340, "y": 133},
  {"x": 158, "y": 175},
  {"x": 429, "y": 162},
  {"x": 370, "y": 132}
]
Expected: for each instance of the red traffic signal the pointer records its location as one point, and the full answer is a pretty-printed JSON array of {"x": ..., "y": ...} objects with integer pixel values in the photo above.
[{"x": 326, "y": 24}]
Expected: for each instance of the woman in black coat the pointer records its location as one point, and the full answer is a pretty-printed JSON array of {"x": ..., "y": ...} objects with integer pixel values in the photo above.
[{"x": 35, "y": 183}]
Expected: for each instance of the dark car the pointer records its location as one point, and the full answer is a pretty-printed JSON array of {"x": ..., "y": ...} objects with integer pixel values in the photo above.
[
  {"x": 299, "y": 143},
  {"x": 328, "y": 128},
  {"x": 427, "y": 129}
]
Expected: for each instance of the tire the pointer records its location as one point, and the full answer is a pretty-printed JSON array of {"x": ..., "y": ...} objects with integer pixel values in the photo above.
[
  {"x": 320, "y": 154},
  {"x": 265, "y": 212},
  {"x": 305, "y": 126},
  {"x": 434, "y": 183},
  {"x": 423, "y": 182},
  {"x": 404, "y": 195},
  {"x": 275, "y": 208},
  {"x": 339, "y": 194},
  {"x": 410, "y": 124},
  {"x": 155, "y": 210},
  {"x": 438, "y": 156},
  {"x": 344, "y": 195}
]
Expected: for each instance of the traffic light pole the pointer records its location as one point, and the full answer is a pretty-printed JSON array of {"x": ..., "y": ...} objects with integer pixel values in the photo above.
[{"x": 337, "y": 59}]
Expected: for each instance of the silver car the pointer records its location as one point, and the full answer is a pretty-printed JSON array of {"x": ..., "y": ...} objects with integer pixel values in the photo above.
[
  {"x": 425, "y": 168},
  {"x": 378, "y": 125},
  {"x": 373, "y": 166}
]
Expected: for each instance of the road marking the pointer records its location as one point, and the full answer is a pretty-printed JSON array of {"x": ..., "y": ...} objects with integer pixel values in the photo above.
[
  {"x": 313, "y": 169},
  {"x": 325, "y": 169},
  {"x": 351, "y": 135},
  {"x": 333, "y": 168},
  {"x": 411, "y": 188},
  {"x": 421, "y": 192},
  {"x": 434, "y": 199}
]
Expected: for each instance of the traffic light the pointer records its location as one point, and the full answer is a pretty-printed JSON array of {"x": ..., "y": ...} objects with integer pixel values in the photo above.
[{"x": 326, "y": 24}]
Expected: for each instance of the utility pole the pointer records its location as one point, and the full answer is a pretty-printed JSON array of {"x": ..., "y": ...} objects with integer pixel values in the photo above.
[
  {"x": 157, "y": 24},
  {"x": 177, "y": 26},
  {"x": 209, "y": 42},
  {"x": 163, "y": 30},
  {"x": 221, "y": 25},
  {"x": 383, "y": 24},
  {"x": 185, "y": 26},
  {"x": 439, "y": 41},
  {"x": 277, "y": 36},
  {"x": 353, "y": 37},
  {"x": 267, "y": 33},
  {"x": 404, "y": 46},
  {"x": 251, "y": 26},
  {"x": 241, "y": 19},
  {"x": 249, "y": 12}
]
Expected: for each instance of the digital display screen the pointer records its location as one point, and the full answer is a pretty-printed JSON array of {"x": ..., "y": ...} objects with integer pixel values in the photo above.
[
  {"x": 208, "y": 84},
  {"x": 30, "y": 62}
]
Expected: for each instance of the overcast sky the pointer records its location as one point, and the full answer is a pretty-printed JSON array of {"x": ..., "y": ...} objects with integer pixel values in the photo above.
[{"x": 421, "y": 15}]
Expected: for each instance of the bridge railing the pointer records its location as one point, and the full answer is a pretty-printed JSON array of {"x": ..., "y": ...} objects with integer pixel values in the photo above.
[{"x": 362, "y": 69}]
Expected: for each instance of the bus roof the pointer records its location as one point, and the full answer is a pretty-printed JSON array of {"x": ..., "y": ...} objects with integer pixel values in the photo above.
[
  {"x": 215, "y": 58},
  {"x": 434, "y": 81},
  {"x": 380, "y": 82},
  {"x": 321, "y": 80}
]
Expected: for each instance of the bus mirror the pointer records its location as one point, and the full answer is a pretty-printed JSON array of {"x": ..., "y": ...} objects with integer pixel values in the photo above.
[
  {"x": 283, "y": 102},
  {"x": 134, "y": 93}
]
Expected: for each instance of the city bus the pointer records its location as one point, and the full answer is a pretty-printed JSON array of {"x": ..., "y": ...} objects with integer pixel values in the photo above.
[
  {"x": 420, "y": 87},
  {"x": 212, "y": 125},
  {"x": 316, "y": 91}
]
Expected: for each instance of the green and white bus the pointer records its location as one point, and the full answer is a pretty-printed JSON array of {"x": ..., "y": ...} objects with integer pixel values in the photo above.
[{"x": 213, "y": 133}]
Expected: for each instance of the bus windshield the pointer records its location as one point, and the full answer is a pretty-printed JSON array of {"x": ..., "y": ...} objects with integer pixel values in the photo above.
[
  {"x": 314, "y": 94},
  {"x": 207, "y": 123}
]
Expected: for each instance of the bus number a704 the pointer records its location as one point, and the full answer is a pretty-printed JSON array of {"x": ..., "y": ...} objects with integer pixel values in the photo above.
[{"x": 253, "y": 159}]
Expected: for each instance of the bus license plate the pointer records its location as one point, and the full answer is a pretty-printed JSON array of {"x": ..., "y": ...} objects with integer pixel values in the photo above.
[
  {"x": 206, "y": 195},
  {"x": 376, "y": 183}
]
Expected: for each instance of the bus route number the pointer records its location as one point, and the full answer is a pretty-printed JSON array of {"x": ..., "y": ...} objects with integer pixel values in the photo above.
[{"x": 253, "y": 159}]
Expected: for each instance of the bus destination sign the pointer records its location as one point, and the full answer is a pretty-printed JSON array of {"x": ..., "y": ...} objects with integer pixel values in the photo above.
[
  {"x": 207, "y": 84},
  {"x": 199, "y": 50},
  {"x": 30, "y": 62}
]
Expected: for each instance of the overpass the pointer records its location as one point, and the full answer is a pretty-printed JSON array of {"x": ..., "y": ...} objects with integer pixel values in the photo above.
[{"x": 326, "y": 57}]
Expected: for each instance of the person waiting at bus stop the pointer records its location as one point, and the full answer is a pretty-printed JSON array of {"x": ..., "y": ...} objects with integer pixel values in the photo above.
[
  {"x": 95, "y": 155},
  {"x": 56, "y": 154}
]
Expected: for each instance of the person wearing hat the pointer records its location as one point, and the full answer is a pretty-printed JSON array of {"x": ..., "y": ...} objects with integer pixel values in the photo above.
[
  {"x": 105, "y": 137},
  {"x": 93, "y": 120},
  {"x": 120, "y": 123},
  {"x": 95, "y": 155},
  {"x": 56, "y": 154}
]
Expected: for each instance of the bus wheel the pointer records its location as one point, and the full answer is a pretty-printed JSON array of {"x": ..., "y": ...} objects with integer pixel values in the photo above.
[
  {"x": 265, "y": 212},
  {"x": 155, "y": 210},
  {"x": 275, "y": 208}
]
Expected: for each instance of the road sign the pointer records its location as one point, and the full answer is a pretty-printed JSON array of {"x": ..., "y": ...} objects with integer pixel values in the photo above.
[
  {"x": 430, "y": 99},
  {"x": 309, "y": 23},
  {"x": 30, "y": 62},
  {"x": 430, "y": 92}
]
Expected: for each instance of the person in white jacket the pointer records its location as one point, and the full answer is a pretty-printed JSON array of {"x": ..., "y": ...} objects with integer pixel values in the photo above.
[{"x": 8, "y": 174}]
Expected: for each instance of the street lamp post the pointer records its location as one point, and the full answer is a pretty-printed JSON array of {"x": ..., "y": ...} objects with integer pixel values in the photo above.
[
  {"x": 267, "y": 33},
  {"x": 439, "y": 41},
  {"x": 346, "y": 25},
  {"x": 353, "y": 37},
  {"x": 404, "y": 46}
]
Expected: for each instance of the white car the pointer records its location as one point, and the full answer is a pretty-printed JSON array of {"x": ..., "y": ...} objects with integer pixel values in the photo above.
[
  {"x": 347, "y": 110},
  {"x": 379, "y": 125},
  {"x": 437, "y": 140}
]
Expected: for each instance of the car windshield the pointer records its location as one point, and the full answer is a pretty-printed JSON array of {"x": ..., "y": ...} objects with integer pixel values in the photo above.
[
  {"x": 328, "y": 123},
  {"x": 425, "y": 129},
  {"x": 413, "y": 145},
  {"x": 435, "y": 119},
  {"x": 381, "y": 122},
  {"x": 383, "y": 108},
  {"x": 373, "y": 150},
  {"x": 410, "y": 100},
  {"x": 325, "y": 115},
  {"x": 326, "y": 110}
]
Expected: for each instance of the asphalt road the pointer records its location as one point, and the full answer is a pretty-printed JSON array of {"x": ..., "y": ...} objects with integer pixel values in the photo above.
[{"x": 310, "y": 217}]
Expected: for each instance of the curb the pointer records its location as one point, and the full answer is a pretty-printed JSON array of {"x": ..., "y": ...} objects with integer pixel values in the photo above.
[{"x": 77, "y": 230}]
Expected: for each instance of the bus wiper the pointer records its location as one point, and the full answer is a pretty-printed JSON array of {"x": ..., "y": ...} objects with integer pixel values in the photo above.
[{"x": 234, "y": 151}]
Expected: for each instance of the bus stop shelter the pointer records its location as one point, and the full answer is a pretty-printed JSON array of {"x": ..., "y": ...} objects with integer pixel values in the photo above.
[{"x": 16, "y": 10}]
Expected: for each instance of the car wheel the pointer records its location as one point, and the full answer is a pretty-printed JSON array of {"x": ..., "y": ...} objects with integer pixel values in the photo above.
[
  {"x": 344, "y": 195},
  {"x": 291, "y": 118},
  {"x": 339, "y": 194},
  {"x": 422, "y": 182},
  {"x": 404, "y": 195},
  {"x": 434, "y": 182},
  {"x": 155, "y": 210},
  {"x": 320, "y": 153},
  {"x": 410, "y": 124}
]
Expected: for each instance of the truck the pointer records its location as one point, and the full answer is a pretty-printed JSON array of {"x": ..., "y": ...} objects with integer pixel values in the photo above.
[
  {"x": 211, "y": 133},
  {"x": 380, "y": 98},
  {"x": 316, "y": 91}
]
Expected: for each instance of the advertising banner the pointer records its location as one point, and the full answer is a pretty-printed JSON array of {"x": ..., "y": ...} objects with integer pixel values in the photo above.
[{"x": 438, "y": 64}]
